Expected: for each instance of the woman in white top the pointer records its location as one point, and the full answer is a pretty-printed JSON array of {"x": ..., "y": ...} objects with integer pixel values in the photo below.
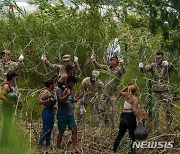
[{"x": 129, "y": 115}]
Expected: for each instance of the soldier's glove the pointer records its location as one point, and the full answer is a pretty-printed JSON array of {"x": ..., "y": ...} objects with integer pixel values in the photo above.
[
  {"x": 141, "y": 65},
  {"x": 165, "y": 63},
  {"x": 21, "y": 57},
  {"x": 43, "y": 58},
  {"x": 93, "y": 58},
  {"x": 82, "y": 110},
  {"x": 75, "y": 59}
]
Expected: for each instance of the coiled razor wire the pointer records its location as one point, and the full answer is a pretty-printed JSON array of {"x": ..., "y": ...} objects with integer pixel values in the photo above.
[{"x": 91, "y": 139}]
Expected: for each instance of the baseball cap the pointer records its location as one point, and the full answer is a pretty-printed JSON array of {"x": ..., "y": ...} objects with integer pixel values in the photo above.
[
  {"x": 66, "y": 57},
  {"x": 6, "y": 52}
]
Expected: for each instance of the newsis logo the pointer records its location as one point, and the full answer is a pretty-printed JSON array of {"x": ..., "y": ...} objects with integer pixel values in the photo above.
[{"x": 153, "y": 144}]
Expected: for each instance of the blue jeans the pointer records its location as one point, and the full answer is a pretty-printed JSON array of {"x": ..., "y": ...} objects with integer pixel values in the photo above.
[{"x": 48, "y": 123}]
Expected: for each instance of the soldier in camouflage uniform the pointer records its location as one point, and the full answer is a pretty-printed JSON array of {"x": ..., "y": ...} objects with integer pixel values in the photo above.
[
  {"x": 66, "y": 60},
  {"x": 109, "y": 98},
  {"x": 7, "y": 65},
  {"x": 161, "y": 84},
  {"x": 91, "y": 88},
  {"x": 60, "y": 67}
]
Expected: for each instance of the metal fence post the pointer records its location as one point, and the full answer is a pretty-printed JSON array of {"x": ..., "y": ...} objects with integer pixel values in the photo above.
[{"x": 150, "y": 104}]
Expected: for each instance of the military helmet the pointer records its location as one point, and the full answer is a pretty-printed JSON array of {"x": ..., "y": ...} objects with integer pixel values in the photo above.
[
  {"x": 12, "y": 96},
  {"x": 52, "y": 102}
]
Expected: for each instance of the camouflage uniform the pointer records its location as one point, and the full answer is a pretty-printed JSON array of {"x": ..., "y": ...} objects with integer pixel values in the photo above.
[
  {"x": 57, "y": 67},
  {"x": 161, "y": 87},
  {"x": 91, "y": 94},
  {"x": 60, "y": 67},
  {"x": 6, "y": 67},
  {"x": 109, "y": 98},
  {"x": 91, "y": 90}
]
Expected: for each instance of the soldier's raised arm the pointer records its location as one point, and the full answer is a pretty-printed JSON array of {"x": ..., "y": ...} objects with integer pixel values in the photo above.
[
  {"x": 147, "y": 68},
  {"x": 17, "y": 65},
  {"x": 7, "y": 65},
  {"x": 66, "y": 60},
  {"x": 54, "y": 66},
  {"x": 96, "y": 64},
  {"x": 168, "y": 65}
]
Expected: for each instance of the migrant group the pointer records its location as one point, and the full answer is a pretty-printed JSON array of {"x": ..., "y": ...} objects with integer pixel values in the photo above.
[{"x": 59, "y": 97}]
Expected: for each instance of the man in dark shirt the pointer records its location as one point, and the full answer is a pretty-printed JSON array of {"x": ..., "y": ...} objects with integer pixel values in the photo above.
[{"x": 65, "y": 114}]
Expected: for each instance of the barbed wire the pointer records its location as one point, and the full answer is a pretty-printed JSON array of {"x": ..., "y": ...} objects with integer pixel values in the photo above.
[{"x": 101, "y": 142}]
